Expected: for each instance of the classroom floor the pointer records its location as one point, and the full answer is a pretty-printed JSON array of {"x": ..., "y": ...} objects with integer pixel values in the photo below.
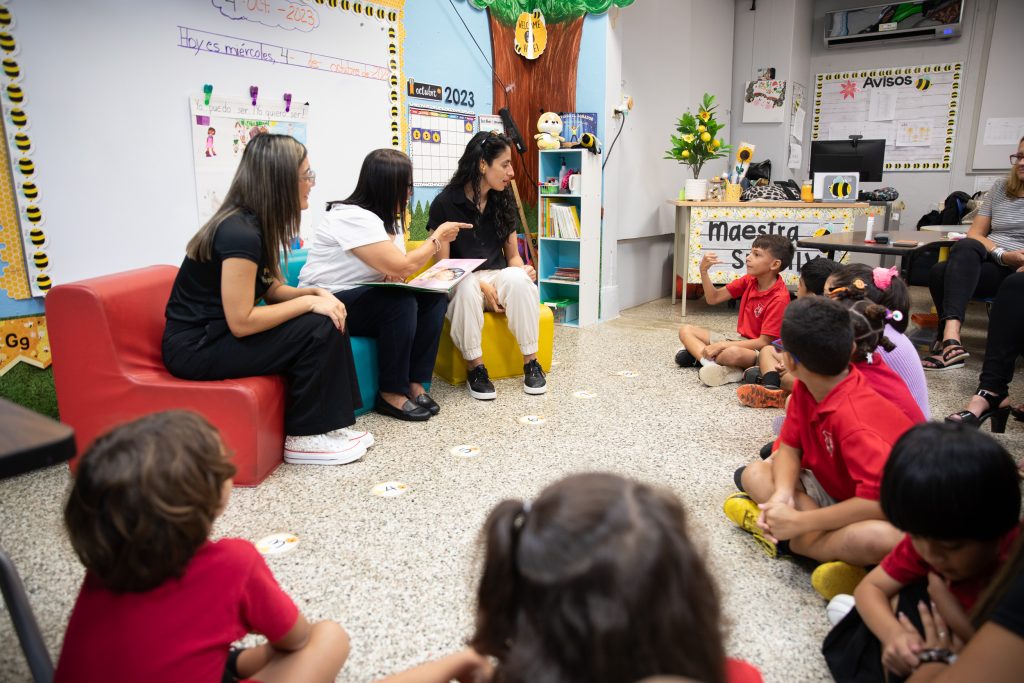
[{"x": 399, "y": 573}]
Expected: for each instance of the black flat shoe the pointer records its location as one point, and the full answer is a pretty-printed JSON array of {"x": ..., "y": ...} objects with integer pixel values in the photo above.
[
  {"x": 424, "y": 401},
  {"x": 998, "y": 414},
  {"x": 409, "y": 410}
]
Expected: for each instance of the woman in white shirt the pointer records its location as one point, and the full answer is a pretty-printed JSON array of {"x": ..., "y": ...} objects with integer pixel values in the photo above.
[{"x": 362, "y": 239}]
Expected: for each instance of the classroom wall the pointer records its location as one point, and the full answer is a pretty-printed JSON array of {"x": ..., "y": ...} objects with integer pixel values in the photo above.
[
  {"x": 782, "y": 33},
  {"x": 671, "y": 54}
]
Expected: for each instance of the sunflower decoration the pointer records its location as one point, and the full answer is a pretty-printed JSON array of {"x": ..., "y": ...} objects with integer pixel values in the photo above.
[
  {"x": 698, "y": 137},
  {"x": 744, "y": 153}
]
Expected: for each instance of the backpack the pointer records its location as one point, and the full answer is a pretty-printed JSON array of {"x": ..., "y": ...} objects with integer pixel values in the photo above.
[{"x": 953, "y": 210}]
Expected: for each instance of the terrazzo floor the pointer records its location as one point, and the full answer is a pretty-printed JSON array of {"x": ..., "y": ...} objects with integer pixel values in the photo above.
[{"x": 399, "y": 573}]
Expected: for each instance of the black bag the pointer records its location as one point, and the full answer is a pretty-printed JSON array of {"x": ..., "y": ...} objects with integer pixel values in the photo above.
[
  {"x": 953, "y": 209},
  {"x": 791, "y": 189},
  {"x": 761, "y": 169}
]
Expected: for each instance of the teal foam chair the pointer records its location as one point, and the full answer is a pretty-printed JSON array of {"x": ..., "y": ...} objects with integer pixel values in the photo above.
[{"x": 364, "y": 349}]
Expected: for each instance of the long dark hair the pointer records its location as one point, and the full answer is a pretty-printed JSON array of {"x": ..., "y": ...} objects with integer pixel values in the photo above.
[
  {"x": 383, "y": 188},
  {"x": 895, "y": 297},
  {"x": 267, "y": 185},
  {"x": 145, "y": 498},
  {"x": 487, "y": 146},
  {"x": 596, "y": 582}
]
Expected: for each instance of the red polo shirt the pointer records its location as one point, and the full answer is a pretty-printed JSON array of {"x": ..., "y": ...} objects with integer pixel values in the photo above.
[
  {"x": 760, "y": 312},
  {"x": 890, "y": 386},
  {"x": 905, "y": 565},
  {"x": 846, "y": 439}
]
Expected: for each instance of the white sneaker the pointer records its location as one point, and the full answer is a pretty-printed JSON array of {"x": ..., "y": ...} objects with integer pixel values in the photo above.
[
  {"x": 839, "y": 607},
  {"x": 715, "y": 375},
  {"x": 365, "y": 438},
  {"x": 322, "y": 449}
]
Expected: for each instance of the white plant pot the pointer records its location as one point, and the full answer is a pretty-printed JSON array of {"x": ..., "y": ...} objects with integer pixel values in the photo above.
[{"x": 696, "y": 190}]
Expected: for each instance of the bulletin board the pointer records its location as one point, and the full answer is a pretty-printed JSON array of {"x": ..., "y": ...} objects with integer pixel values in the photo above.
[
  {"x": 97, "y": 103},
  {"x": 913, "y": 108},
  {"x": 437, "y": 139},
  {"x": 1001, "y": 105}
]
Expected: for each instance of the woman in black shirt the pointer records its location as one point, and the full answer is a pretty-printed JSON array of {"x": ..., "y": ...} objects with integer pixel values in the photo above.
[
  {"x": 215, "y": 330},
  {"x": 479, "y": 193}
]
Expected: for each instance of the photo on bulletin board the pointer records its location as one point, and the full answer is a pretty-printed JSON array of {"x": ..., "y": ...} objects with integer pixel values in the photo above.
[
  {"x": 913, "y": 108},
  {"x": 764, "y": 102}
]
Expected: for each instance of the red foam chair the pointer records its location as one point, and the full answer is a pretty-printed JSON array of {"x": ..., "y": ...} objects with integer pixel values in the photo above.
[{"x": 105, "y": 336}]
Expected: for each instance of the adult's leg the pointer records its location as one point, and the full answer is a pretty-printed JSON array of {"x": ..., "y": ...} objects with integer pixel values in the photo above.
[
  {"x": 430, "y": 310},
  {"x": 518, "y": 296},
  {"x": 314, "y": 357},
  {"x": 466, "y": 315},
  {"x": 968, "y": 273}
]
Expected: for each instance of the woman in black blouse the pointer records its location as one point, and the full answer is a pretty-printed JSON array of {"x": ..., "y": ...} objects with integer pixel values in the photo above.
[
  {"x": 216, "y": 330},
  {"x": 480, "y": 193}
]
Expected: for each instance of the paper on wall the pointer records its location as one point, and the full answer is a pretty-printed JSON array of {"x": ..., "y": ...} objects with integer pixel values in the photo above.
[
  {"x": 797, "y": 131},
  {"x": 915, "y": 133},
  {"x": 882, "y": 106},
  {"x": 796, "y": 155},
  {"x": 841, "y": 130},
  {"x": 490, "y": 122},
  {"x": 1003, "y": 131}
]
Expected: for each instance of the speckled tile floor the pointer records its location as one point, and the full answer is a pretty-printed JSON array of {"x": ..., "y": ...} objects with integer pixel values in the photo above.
[{"x": 399, "y": 573}]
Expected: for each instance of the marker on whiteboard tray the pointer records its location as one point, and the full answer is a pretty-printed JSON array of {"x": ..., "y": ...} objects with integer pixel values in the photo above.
[
  {"x": 287, "y": 102},
  {"x": 207, "y": 91},
  {"x": 253, "y": 92}
]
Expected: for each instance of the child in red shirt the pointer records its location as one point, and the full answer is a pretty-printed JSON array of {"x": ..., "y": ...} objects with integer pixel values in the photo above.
[
  {"x": 955, "y": 493},
  {"x": 820, "y": 490},
  {"x": 763, "y": 299},
  {"x": 596, "y": 580},
  {"x": 160, "y": 601}
]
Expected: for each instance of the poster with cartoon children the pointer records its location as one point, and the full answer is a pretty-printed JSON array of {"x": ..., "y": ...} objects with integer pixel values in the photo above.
[{"x": 239, "y": 121}]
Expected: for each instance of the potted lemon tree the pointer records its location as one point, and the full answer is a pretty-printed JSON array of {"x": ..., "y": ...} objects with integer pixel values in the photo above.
[{"x": 697, "y": 141}]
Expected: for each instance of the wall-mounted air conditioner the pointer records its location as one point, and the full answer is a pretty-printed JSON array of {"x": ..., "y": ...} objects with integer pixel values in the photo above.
[{"x": 917, "y": 20}]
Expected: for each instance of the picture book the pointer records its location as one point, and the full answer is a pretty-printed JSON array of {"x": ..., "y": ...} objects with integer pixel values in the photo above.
[{"x": 440, "y": 277}]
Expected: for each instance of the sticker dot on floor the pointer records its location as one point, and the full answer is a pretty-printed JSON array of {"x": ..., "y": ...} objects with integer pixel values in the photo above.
[
  {"x": 465, "y": 451},
  {"x": 277, "y": 544},
  {"x": 583, "y": 394},
  {"x": 532, "y": 420},
  {"x": 389, "y": 489}
]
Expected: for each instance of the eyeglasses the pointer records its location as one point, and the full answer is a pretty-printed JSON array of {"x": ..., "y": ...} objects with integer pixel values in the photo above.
[
  {"x": 1015, "y": 159},
  {"x": 309, "y": 176}
]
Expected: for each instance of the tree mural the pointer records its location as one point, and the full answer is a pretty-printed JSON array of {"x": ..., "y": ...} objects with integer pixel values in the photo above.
[{"x": 547, "y": 83}]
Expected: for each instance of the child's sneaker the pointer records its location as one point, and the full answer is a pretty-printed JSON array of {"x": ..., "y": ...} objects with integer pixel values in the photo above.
[
  {"x": 832, "y": 578},
  {"x": 685, "y": 359},
  {"x": 751, "y": 376},
  {"x": 758, "y": 396},
  {"x": 743, "y": 512},
  {"x": 839, "y": 607},
  {"x": 365, "y": 438},
  {"x": 322, "y": 449},
  {"x": 715, "y": 375}
]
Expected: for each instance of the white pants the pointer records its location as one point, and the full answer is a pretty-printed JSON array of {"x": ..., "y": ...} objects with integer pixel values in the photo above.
[{"x": 517, "y": 295}]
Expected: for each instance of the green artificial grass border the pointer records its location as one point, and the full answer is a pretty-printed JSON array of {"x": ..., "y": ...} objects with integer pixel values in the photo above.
[{"x": 31, "y": 387}]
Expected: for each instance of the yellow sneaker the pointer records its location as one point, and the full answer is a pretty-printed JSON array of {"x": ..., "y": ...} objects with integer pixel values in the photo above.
[
  {"x": 833, "y": 578},
  {"x": 742, "y": 511}
]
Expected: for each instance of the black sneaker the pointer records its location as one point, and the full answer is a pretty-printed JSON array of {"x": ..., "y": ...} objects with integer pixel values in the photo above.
[
  {"x": 751, "y": 375},
  {"x": 685, "y": 359},
  {"x": 480, "y": 386},
  {"x": 533, "y": 378}
]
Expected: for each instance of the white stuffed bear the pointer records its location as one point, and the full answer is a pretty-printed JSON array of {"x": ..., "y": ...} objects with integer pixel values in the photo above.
[{"x": 550, "y": 126}]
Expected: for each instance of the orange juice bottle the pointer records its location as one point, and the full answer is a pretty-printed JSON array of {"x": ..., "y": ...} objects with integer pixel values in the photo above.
[{"x": 807, "y": 191}]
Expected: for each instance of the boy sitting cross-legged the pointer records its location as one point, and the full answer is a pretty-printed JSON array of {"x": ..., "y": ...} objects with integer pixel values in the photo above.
[
  {"x": 763, "y": 299},
  {"x": 820, "y": 490}
]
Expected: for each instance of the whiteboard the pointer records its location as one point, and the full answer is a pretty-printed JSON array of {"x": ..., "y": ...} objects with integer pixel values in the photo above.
[
  {"x": 107, "y": 86},
  {"x": 1001, "y": 112},
  {"x": 913, "y": 108}
]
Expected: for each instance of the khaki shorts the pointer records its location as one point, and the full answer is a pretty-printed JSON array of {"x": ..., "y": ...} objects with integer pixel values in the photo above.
[
  {"x": 716, "y": 337},
  {"x": 813, "y": 488}
]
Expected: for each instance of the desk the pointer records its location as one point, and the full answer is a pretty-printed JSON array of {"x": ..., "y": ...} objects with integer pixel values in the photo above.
[
  {"x": 794, "y": 219},
  {"x": 854, "y": 242},
  {"x": 28, "y": 441}
]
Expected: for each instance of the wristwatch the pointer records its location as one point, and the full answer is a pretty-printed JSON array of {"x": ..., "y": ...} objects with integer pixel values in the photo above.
[
  {"x": 936, "y": 654},
  {"x": 997, "y": 255}
]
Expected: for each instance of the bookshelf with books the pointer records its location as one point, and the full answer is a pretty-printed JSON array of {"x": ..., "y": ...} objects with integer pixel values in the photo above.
[{"x": 569, "y": 236}]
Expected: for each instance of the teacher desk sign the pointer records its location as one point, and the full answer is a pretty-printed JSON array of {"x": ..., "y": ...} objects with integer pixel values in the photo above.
[{"x": 729, "y": 231}]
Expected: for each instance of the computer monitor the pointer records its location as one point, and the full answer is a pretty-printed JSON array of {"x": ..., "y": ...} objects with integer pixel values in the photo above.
[{"x": 864, "y": 156}]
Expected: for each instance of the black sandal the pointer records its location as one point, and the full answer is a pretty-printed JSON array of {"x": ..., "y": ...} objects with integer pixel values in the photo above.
[
  {"x": 998, "y": 414},
  {"x": 1017, "y": 412},
  {"x": 954, "y": 355}
]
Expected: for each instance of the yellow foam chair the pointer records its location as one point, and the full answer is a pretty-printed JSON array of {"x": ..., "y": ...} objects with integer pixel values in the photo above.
[{"x": 501, "y": 350}]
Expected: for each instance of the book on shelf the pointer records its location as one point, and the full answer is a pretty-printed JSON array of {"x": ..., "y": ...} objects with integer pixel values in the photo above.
[
  {"x": 440, "y": 277},
  {"x": 560, "y": 219},
  {"x": 566, "y": 274}
]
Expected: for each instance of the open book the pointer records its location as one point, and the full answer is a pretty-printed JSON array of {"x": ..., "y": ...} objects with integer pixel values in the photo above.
[{"x": 440, "y": 277}]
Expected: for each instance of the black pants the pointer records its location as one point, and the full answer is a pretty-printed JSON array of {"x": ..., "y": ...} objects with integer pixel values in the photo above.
[
  {"x": 967, "y": 273},
  {"x": 1005, "y": 335},
  {"x": 314, "y": 357},
  {"x": 407, "y": 326}
]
